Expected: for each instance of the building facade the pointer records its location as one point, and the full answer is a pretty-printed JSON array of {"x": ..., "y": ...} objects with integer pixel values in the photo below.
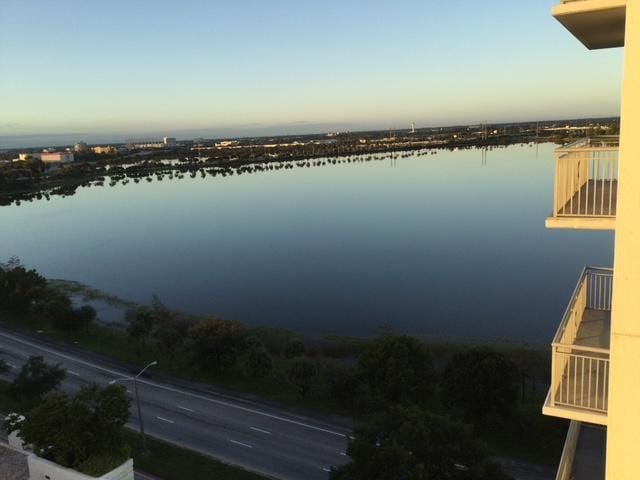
[
  {"x": 595, "y": 377},
  {"x": 48, "y": 157}
]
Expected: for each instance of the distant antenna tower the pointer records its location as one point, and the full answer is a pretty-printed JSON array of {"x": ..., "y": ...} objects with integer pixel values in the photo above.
[{"x": 413, "y": 127}]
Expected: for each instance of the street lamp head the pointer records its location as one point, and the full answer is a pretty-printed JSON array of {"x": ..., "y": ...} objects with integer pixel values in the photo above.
[{"x": 155, "y": 362}]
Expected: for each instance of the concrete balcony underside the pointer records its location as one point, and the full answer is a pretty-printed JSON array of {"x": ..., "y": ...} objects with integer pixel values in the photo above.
[
  {"x": 584, "y": 453},
  {"x": 596, "y": 23}
]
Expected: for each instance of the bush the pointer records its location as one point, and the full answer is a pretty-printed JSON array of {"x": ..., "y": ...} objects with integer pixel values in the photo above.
[
  {"x": 19, "y": 286},
  {"x": 481, "y": 383},
  {"x": 54, "y": 307}
]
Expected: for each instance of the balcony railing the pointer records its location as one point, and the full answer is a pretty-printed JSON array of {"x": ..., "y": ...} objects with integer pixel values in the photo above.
[
  {"x": 580, "y": 348},
  {"x": 586, "y": 182}
]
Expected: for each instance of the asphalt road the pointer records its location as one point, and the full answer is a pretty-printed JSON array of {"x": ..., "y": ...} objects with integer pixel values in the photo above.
[{"x": 257, "y": 437}]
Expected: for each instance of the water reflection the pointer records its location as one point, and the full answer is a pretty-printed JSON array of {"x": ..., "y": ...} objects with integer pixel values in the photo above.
[{"x": 436, "y": 244}]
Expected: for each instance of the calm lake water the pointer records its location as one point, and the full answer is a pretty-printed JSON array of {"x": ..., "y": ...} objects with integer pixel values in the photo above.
[{"x": 438, "y": 245}]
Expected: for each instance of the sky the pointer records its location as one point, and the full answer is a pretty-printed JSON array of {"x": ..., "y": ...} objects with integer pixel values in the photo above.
[{"x": 253, "y": 67}]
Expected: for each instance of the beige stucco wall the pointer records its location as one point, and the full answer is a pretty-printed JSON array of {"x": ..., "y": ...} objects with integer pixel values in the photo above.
[
  {"x": 41, "y": 469},
  {"x": 623, "y": 435}
]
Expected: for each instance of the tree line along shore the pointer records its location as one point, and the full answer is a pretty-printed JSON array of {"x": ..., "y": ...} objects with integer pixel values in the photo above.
[{"x": 485, "y": 397}]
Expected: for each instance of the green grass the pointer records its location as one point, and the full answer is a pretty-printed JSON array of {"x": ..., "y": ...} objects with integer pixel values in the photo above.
[{"x": 170, "y": 462}]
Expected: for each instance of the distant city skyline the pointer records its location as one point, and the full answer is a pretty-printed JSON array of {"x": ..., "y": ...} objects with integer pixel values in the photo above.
[{"x": 122, "y": 69}]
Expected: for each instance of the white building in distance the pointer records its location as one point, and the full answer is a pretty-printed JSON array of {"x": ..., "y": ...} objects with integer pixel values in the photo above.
[{"x": 48, "y": 157}]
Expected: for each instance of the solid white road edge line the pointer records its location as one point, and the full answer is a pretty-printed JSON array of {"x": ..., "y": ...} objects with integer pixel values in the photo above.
[{"x": 174, "y": 390}]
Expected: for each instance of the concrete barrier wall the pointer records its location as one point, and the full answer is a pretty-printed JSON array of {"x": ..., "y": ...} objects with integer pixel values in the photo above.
[{"x": 41, "y": 469}]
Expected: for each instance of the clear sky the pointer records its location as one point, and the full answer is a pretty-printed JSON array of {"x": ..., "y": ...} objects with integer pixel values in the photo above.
[{"x": 280, "y": 66}]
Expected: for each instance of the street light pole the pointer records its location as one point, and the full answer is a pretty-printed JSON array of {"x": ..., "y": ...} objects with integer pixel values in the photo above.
[{"x": 135, "y": 388}]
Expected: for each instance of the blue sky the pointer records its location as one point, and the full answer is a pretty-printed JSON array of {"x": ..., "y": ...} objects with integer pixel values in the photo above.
[{"x": 256, "y": 66}]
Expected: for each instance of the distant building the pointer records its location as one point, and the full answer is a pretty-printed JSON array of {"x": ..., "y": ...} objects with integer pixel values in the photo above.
[
  {"x": 101, "y": 150},
  {"x": 48, "y": 157},
  {"x": 165, "y": 142},
  {"x": 227, "y": 143},
  {"x": 80, "y": 147}
]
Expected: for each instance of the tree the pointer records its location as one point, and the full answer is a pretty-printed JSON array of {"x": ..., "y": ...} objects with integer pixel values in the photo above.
[
  {"x": 139, "y": 327},
  {"x": 411, "y": 444},
  {"x": 69, "y": 431},
  {"x": 395, "y": 370},
  {"x": 55, "y": 307},
  {"x": 4, "y": 366},
  {"x": 19, "y": 286},
  {"x": 301, "y": 374},
  {"x": 294, "y": 348},
  {"x": 82, "y": 317},
  {"x": 342, "y": 383},
  {"x": 169, "y": 332},
  {"x": 215, "y": 343},
  {"x": 36, "y": 378},
  {"x": 257, "y": 361},
  {"x": 480, "y": 382}
]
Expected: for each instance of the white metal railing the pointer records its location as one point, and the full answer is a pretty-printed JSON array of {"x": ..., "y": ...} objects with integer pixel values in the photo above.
[
  {"x": 580, "y": 373},
  {"x": 569, "y": 451},
  {"x": 586, "y": 180}
]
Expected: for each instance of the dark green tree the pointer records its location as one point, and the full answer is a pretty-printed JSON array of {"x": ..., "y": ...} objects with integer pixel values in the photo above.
[
  {"x": 412, "y": 444},
  {"x": 70, "y": 431},
  {"x": 4, "y": 366},
  {"x": 36, "y": 378},
  {"x": 19, "y": 286},
  {"x": 139, "y": 327},
  {"x": 395, "y": 370},
  {"x": 83, "y": 317},
  {"x": 301, "y": 374},
  {"x": 293, "y": 348},
  {"x": 257, "y": 361},
  {"x": 342, "y": 383},
  {"x": 481, "y": 383},
  {"x": 215, "y": 343},
  {"x": 54, "y": 307}
]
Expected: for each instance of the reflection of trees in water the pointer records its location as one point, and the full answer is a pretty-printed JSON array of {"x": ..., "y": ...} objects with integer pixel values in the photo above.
[{"x": 122, "y": 175}]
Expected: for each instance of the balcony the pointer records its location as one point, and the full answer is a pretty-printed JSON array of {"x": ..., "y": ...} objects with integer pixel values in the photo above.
[
  {"x": 596, "y": 23},
  {"x": 586, "y": 185},
  {"x": 584, "y": 453},
  {"x": 580, "y": 352}
]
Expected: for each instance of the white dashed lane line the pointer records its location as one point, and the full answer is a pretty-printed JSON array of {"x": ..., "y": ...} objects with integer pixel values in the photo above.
[
  {"x": 186, "y": 409},
  {"x": 165, "y": 420},
  {"x": 240, "y": 443},
  {"x": 75, "y": 374},
  {"x": 266, "y": 432}
]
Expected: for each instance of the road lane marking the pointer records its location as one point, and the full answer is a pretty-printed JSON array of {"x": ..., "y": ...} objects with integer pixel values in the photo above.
[
  {"x": 75, "y": 374},
  {"x": 260, "y": 430},
  {"x": 116, "y": 373},
  {"x": 325, "y": 469},
  {"x": 240, "y": 443},
  {"x": 11, "y": 365},
  {"x": 186, "y": 409},
  {"x": 165, "y": 420},
  {"x": 128, "y": 391}
]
